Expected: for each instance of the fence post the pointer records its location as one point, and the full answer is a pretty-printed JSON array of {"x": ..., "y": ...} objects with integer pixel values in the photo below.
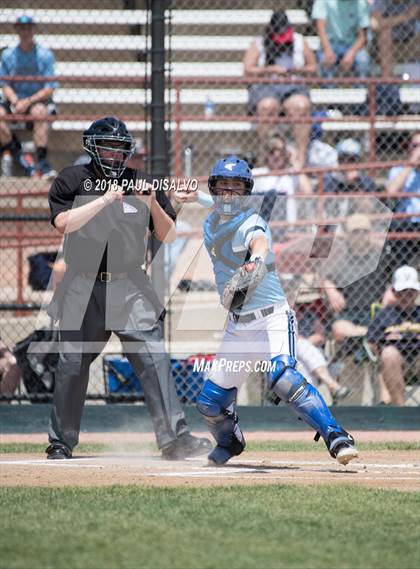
[
  {"x": 19, "y": 255},
  {"x": 372, "y": 116},
  {"x": 159, "y": 154},
  {"x": 178, "y": 135}
]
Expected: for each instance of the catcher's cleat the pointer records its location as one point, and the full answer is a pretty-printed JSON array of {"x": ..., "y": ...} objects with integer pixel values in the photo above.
[
  {"x": 220, "y": 455},
  {"x": 58, "y": 451},
  {"x": 186, "y": 446},
  {"x": 346, "y": 453},
  {"x": 341, "y": 447}
]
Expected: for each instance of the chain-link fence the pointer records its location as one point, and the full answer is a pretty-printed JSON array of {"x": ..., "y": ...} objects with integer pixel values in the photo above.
[{"x": 320, "y": 103}]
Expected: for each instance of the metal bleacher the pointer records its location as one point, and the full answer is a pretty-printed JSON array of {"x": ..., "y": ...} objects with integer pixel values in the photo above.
[{"x": 130, "y": 17}]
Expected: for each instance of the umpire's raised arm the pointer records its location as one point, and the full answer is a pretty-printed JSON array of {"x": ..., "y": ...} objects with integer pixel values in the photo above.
[{"x": 162, "y": 214}]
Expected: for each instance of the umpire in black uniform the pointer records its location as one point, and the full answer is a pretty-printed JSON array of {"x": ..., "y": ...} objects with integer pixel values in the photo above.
[{"x": 104, "y": 209}]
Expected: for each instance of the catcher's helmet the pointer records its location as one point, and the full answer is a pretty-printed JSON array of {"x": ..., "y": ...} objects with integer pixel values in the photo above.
[
  {"x": 110, "y": 145},
  {"x": 231, "y": 168}
]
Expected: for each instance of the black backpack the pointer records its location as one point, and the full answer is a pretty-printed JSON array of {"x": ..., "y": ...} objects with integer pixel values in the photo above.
[{"x": 37, "y": 368}]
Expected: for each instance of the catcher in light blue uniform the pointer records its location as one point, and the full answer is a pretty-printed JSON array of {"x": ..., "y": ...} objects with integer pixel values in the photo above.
[{"x": 261, "y": 325}]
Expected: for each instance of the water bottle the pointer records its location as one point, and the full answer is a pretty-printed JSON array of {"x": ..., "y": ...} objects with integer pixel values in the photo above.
[
  {"x": 27, "y": 163},
  {"x": 188, "y": 154},
  {"x": 209, "y": 108},
  {"x": 26, "y": 159},
  {"x": 7, "y": 163}
]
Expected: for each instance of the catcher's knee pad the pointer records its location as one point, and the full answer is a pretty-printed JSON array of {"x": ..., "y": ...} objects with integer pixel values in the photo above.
[
  {"x": 214, "y": 400},
  {"x": 291, "y": 386},
  {"x": 286, "y": 382},
  {"x": 216, "y": 404}
]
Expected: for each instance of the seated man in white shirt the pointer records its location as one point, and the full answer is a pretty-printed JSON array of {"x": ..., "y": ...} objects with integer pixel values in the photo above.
[{"x": 267, "y": 179}]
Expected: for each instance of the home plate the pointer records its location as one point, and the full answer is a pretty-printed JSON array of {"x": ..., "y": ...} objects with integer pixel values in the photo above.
[{"x": 44, "y": 462}]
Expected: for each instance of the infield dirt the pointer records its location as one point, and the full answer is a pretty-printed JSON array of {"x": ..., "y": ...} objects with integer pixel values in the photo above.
[{"x": 396, "y": 469}]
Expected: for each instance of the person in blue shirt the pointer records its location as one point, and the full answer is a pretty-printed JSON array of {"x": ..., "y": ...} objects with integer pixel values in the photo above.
[
  {"x": 342, "y": 28},
  {"x": 261, "y": 329},
  {"x": 27, "y": 97},
  {"x": 406, "y": 180}
]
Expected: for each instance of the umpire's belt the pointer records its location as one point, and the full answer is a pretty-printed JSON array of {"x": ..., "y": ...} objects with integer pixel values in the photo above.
[
  {"x": 250, "y": 316},
  {"x": 105, "y": 276}
]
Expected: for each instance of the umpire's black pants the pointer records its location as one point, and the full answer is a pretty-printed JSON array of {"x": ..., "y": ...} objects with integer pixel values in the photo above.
[{"x": 133, "y": 319}]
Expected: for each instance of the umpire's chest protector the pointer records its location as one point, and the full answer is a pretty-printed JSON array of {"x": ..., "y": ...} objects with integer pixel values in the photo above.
[
  {"x": 218, "y": 241},
  {"x": 120, "y": 229}
]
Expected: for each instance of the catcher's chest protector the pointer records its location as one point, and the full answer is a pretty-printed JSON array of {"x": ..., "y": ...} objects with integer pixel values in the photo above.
[{"x": 218, "y": 242}]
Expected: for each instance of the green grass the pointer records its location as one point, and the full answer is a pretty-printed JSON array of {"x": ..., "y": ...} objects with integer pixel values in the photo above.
[
  {"x": 299, "y": 446},
  {"x": 84, "y": 448},
  {"x": 286, "y": 446},
  {"x": 238, "y": 527}
]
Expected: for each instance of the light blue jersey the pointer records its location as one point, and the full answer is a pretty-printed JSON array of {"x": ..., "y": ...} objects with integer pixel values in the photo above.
[
  {"x": 38, "y": 61},
  {"x": 228, "y": 245}
]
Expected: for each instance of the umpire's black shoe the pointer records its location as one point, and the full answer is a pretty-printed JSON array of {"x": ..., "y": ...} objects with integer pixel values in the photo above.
[
  {"x": 58, "y": 451},
  {"x": 186, "y": 446}
]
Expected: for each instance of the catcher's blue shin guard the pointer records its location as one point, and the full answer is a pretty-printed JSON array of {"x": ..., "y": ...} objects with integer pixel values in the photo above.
[
  {"x": 216, "y": 404},
  {"x": 291, "y": 387}
]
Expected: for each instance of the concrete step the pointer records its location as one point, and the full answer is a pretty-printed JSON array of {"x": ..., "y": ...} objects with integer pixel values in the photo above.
[
  {"x": 192, "y": 43},
  {"x": 198, "y": 17}
]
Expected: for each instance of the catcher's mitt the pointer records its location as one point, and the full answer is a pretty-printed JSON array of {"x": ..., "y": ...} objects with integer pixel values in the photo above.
[{"x": 245, "y": 280}]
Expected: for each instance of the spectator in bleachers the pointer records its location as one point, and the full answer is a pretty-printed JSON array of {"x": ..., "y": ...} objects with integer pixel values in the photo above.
[
  {"x": 342, "y": 28},
  {"x": 352, "y": 304},
  {"x": 352, "y": 181},
  {"x": 395, "y": 334},
  {"x": 311, "y": 339},
  {"x": 280, "y": 53},
  {"x": 349, "y": 151},
  {"x": 395, "y": 22},
  {"x": 302, "y": 291},
  {"x": 313, "y": 365},
  {"x": 320, "y": 153},
  {"x": 28, "y": 97},
  {"x": 406, "y": 179},
  {"x": 280, "y": 157}
]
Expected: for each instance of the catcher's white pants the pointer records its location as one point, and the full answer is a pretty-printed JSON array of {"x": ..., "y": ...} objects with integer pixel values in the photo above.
[{"x": 259, "y": 340}]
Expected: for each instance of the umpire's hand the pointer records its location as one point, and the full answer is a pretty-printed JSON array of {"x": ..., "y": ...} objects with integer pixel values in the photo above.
[
  {"x": 186, "y": 195},
  {"x": 147, "y": 194},
  {"x": 114, "y": 193}
]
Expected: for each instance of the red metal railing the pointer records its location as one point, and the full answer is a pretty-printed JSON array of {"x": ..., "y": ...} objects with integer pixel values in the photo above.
[
  {"x": 24, "y": 239},
  {"x": 177, "y": 83},
  {"x": 371, "y": 83}
]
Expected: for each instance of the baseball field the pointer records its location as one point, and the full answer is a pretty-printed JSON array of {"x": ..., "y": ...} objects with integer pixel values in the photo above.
[{"x": 284, "y": 503}]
